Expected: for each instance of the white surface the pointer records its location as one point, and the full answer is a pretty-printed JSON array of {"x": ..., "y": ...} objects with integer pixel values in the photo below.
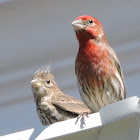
[
  {"x": 34, "y": 33},
  {"x": 69, "y": 127},
  {"x": 123, "y": 123},
  {"x": 23, "y": 135},
  {"x": 119, "y": 109},
  {"x": 120, "y": 121},
  {"x": 127, "y": 128}
]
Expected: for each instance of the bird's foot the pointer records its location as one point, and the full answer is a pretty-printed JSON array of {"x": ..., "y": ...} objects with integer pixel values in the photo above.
[{"x": 82, "y": 116}]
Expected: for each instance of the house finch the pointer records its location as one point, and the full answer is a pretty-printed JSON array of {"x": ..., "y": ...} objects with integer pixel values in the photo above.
[
  {"x": 99, "y": 75},
  {"x": 51, "y": 103}
]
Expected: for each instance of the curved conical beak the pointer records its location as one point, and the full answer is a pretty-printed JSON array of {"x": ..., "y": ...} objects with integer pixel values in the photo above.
[
  {"x": 78, "y": 24},
  {"x": 36, "y": 83}
]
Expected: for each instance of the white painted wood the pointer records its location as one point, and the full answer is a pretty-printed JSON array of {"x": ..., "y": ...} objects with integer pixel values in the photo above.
[
  {"x": 118, "y": 121},
  {"x": 67, "y": 129},
  {"x": 119, "y": 109},
  {"x": 22, "y": 135},
  {"x": 127, "y": 128}
]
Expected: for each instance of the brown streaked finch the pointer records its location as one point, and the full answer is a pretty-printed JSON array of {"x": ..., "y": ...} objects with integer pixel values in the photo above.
[
  {"x": 99, "y": 75},
  {"x": 51, "y": 103}
]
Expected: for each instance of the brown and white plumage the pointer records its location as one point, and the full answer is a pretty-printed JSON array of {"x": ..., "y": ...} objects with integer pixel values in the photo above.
[{"x": 51, "y": 103}]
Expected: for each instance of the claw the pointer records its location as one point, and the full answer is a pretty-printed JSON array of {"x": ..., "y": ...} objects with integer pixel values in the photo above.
[
  {"x": 82, "y": 117},
  {"x": 79, "y": 116}
]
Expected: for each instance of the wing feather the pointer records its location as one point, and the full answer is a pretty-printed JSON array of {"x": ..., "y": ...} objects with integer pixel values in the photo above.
[{"x": 70, "y": 104}]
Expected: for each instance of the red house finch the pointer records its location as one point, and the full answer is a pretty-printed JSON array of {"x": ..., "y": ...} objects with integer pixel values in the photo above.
[
  {"x": 51, "y": 103},
  {"x": 98, "y": 70}
]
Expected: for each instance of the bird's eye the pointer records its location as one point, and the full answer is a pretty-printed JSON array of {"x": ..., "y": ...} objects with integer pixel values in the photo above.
[
  {"x": 48, "y": 81},
  {"x": 90, "y": 21}
]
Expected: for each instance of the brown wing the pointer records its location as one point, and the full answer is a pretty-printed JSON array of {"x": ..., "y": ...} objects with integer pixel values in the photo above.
[
  {"x": 70, "y": 104},
  {"x": 118, "y": 66}
]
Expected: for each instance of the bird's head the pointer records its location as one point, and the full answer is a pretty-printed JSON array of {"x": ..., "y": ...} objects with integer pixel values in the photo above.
[
  {"x": 43, "y": 84},
  {"x": 87, "y": 27}
]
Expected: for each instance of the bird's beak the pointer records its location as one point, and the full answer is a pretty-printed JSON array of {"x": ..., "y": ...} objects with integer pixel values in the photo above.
[
  {"x": 78, "y": 24},
  {"x": 36, "y": 83}
]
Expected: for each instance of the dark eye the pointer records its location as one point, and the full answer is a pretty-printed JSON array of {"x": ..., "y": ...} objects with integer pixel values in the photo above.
[
  {"x": 90, "y": 21},
  {"x": 48, "y": 81}
]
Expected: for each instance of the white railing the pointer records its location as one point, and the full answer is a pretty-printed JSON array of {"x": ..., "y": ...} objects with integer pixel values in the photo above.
[{"x": 118, "y": 121}]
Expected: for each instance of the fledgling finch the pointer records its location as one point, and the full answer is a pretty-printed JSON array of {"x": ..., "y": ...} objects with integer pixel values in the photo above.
[
  {"x": 51, "y": 103},
  {"x": 99, "y": 75}
]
